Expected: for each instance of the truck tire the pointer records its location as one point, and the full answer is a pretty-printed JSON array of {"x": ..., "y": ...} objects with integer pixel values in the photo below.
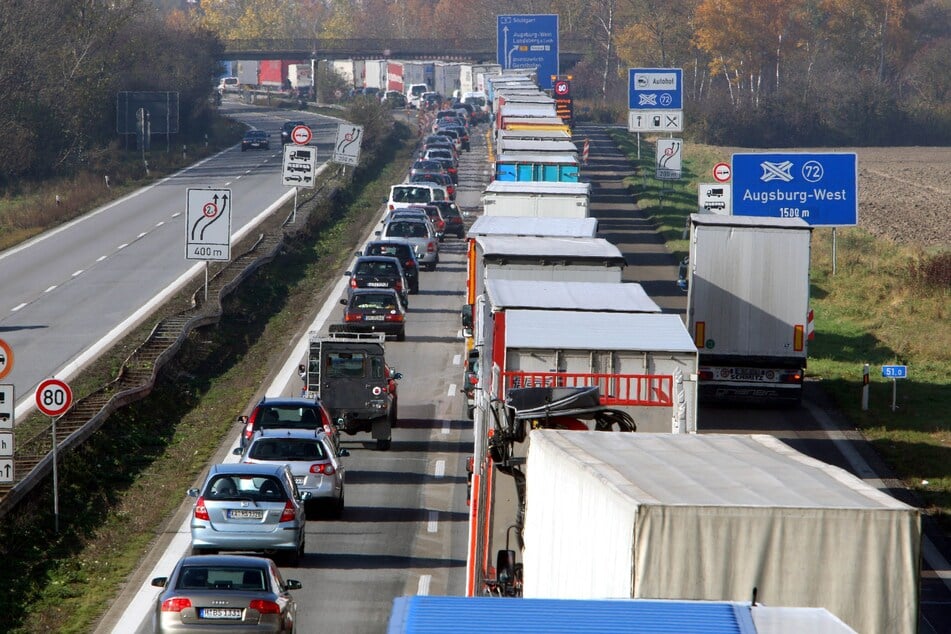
[{"x": 383, "y": 444}]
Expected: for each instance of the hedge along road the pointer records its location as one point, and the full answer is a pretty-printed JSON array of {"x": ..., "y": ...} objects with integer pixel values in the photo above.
[{"x": 70, "y": 293}]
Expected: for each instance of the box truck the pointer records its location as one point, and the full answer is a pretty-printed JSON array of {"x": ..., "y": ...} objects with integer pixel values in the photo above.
[
  {"x": 715, "y": 518},
  {"x": 536, "y": 198},
  {"x": 748, "y": 305}
]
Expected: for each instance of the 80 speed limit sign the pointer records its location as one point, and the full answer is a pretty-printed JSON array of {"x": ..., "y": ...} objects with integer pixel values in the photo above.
[{"x": 53, "y": 397}]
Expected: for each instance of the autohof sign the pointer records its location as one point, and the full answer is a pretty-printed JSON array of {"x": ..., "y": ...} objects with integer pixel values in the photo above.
[
  {"x": 348, "y": 143},
  {"x": 655, "y": 100},
  {"x": 300, "y": 165},
  {"x": 208, "y": 224},
  {"x": 820, "y": 188}
]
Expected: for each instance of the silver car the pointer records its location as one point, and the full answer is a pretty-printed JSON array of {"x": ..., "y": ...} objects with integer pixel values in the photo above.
[
  {"x": 315, "y": 463},
  {"x": 225, "y": 593},
  {"x": 249, "y": 507},
  {"x": 420, "y": 233}
]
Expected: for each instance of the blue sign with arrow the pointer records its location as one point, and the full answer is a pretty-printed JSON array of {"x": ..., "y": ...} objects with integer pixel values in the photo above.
[
  {"x": 822, "y": 189},
  {"x": 529, "y": 41},
  {"x": 655, "y": 89}
]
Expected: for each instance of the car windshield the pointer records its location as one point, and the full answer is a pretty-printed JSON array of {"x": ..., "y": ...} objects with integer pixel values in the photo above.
[
  {"x": 203, "y": 577},
  {"x": 287, "y": 449},
  {"x": 243, "y": 487},
  {"x": 407, "y": 230}
]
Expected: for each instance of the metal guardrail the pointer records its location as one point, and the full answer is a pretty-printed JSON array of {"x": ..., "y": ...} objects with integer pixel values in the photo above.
[{"x": 136, "y": 378}]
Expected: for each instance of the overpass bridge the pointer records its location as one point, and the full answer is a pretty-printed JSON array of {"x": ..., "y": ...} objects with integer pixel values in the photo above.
[{"x": 475, "y": 50}]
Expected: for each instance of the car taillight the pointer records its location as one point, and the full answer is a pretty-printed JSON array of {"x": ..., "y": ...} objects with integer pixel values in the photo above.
[
  {"x": 289, "y": 512},
  {"x": 473, "y": 379},
  {"x": 353, "y": 282},
  {"x": 430, "y": 247},
  {"x": 349, "y": 316},
  {"x": 399, "y": 287},
  {"x": 176, "y": 604},
  {"x": 410, "y": 264},
  {"x": 264, "y": 607},
  {"x": 441, "y": 224},
  {"x": 201, "y": 511},
  {"x": 394, "y": 316},
  {"x": 325, "y": 469},
  {"x": 249, "y": 428}
]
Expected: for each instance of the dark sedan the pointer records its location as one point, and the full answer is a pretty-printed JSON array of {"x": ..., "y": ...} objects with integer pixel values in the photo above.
[
  {"x": 378, "y": 271},
  {"x": 375, "y": 310},
  {"x": 255, "y": 139}
]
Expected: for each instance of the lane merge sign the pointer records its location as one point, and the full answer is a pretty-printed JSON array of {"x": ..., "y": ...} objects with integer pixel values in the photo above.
[
  {"x": 347, "y": 144},
  {"x": 529, "y": 41},
  {"x": 301, "y": 135},
  {"x": 820, "y": 188},
  {"x": 53, "y": 397},
  {"x": 208, "y": 224}
]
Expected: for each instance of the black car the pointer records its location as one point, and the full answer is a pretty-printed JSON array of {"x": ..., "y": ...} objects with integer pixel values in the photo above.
[
  {"x": 401, "y": 250},
  {"x": 286, "y": 413},
  {"x": 375, "y": 310},
  {"x": 456, "y": 131},
  {"x": 255, "y": 139},
  {"x": 453, "y": 217},
  {"x": 287, "y": 129},
  {"x": 379, "y": 271}
]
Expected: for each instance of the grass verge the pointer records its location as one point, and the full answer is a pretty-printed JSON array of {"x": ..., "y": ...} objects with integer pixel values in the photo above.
[
  {"x": 885, "y": 304},
  {"x": 118, "y": 490}
]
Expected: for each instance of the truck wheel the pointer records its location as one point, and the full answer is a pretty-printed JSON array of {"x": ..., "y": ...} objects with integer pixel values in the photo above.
[
  {"x": 383, "y": 444},
  {"x": 469, "y": 411}
]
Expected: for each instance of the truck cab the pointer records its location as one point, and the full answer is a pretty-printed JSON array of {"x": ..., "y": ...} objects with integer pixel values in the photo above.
[{"x": 347, "y": 371}]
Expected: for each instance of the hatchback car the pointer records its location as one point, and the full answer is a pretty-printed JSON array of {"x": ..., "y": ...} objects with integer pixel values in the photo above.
[
  {"x": 420, "y": 233},
  {"x": 401, "y": 250},
  {"x": 375, "y": 310},
  {"x": 313, "y": 458},
  {"x": 225, "y": 593},
  {"x": 393, "y": 99},
  {"x": 287, "y": 129},
  {"x": 407, "y": 194},
  {"x": 287, "y": 413},
  {"x": 249, "y": 507},
  {"x": 379, "y": 271},
  {"x": 458, "y": 131},
  {"x": 439, "y": 178},
  {"x": 255, "y": 139},
  {"x": 453, "y": 216},
  {"x": 423, "y": 165}
]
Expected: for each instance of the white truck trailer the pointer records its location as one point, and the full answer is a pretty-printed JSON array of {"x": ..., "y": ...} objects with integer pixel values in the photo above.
[
  {"x": 748, "y": 305},
  {"x": 536, "y": 198},
  {"x": 715, "y": 518}
]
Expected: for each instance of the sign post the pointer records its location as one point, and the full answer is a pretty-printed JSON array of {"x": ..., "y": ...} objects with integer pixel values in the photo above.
[
  {"x": 895, "y": 372},
  {"x": 53, "y": 398},
  {"x": 7, "y": 423}
]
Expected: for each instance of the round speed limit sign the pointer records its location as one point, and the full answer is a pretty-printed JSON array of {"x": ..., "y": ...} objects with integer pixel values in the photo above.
[{"x": 53, "y": 397}]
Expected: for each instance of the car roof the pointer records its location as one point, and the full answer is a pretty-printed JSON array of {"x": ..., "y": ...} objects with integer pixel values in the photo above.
[
  {"x": 367, "y": 291},
  {"x": 293, "y": 433},
  {"x": 241, "y": 468},
  {"x": 225, "y": 560},
  {"x": 295, "y": 401},
  {"x": 376, "y": 258}
]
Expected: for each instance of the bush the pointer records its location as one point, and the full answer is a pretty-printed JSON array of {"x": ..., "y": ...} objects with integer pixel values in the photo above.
[{"x": 933, "y": 271}]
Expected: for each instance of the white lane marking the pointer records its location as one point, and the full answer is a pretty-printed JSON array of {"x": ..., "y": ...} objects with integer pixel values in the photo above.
[
  {"x": 458, "y": 334},
  {"x": 452, "y": 390},
  {"x": 423, "y": 587},
  {"x": 440, "y": 469},
  {"x": 178, "y": 213},
  {"x": 101, "y": 258},
  {"x": 18, "y": 307},
  {"x": 53, "y": 287},
  {"x": 122, "y": 246},
  {"x": 158, "y": 224},
  {"x": 456, "y": 360},
  {"x": 142, "y": 235},
  {"x": 433, "y": 524},
  {"x": 77, "y": 273}
]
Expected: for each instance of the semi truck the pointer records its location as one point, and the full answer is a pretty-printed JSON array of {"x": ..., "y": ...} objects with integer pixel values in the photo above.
[
  {"x": 300, "y": 76},
  {"x": 715, "y": 518},
  {"x": 747, "y": 284}
]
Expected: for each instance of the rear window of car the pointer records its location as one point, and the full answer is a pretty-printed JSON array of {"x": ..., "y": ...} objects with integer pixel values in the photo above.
[
  {"x": 412, "y": 194},
  {"x": 373, "y": 301},
  {"x": 285, "y": 416},
  {"x": 392, "y": 250},
  {"x": 407, "y": 230},
  {"x": 245, "y": 487},
  {"x": 376, "y": 267},
  {"x": 223, "y": 578},
  {"x": 287, "y": 449}
]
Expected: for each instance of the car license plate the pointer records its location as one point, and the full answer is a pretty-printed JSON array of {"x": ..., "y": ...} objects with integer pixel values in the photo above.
[
  {"x": 241, "y": 514},
  {"x": 220, "y": 613},
  {"x": 747, "y": 374},
  {"x": 377, "y": 284},
  {"x": 299, "y": 480},
  {"x": 374, "y": 317}
]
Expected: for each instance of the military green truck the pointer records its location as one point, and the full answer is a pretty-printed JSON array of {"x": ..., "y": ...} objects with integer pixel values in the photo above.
[{"x": 347, "y": 371}]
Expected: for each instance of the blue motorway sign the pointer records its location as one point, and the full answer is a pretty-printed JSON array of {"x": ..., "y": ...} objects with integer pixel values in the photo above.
[
  {"x": 655, "y": 89},
  {"x": 529, "y": 41},
  {"x": 895, "y": 371},
  {"x": 822, "y": 189}
]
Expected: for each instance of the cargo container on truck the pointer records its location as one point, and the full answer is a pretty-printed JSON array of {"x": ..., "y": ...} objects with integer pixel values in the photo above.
[
  {"x": 717, "y": 518},
  {"x": 446, "y": 79},
  {"x": 273, "y": 73},
  {"x": 533, "y": 226},
  {"x": 394, "y": 76},
  {"x": 247, "y": 73},
  {"x": 553, "y": 167},
  {"x": 374, "y": 74},
  {"x": 345, "y": 69},
  {"x": 536, "y": 198},
  {"x": 748, "y": 305},
  {"x": 561, "y": 146},
  {"x": 300, "y": 76},
  {"x": 422, "y": 614}
]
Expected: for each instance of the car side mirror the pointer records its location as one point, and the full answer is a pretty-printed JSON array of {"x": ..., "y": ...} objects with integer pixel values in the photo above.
[
  {"x": 192, "y": 493},
  {"x": 505, "y": 566},
  {"x": 241, "y": 419},
  {"x": 292, "y": 584},
  {"x": 376, "y": 233},
  {"x": 237, "y": 451},
  {"x": 159, "y": 582},
  {"x": 343, "y": 453},
  {"x": 348, "y": 273},
  {"x": 466, "y": 315},
  {"x": 343, "y": 302}
]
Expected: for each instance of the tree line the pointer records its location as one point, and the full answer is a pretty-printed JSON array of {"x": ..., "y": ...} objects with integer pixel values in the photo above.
[{"x": 756, "y": 72}]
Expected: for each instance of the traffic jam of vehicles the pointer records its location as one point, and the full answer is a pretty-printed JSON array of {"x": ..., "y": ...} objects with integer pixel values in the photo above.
[{"x": 567, "y": 369}]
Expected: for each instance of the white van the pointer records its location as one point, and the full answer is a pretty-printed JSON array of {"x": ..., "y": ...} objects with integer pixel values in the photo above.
[
  {"x": 409, "y": 194},
  {"x": 414, "y": 92}
]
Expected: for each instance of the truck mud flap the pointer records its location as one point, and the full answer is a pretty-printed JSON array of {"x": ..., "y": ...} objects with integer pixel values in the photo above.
[{"x": 382, "y": 430}]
